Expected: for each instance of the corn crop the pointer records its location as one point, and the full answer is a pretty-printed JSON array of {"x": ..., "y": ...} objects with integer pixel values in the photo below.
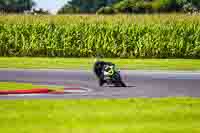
[{"x": 125, "y": 36}]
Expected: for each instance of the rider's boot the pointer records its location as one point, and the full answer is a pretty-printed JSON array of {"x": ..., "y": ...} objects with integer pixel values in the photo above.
[{"x": 101, "y": 82}]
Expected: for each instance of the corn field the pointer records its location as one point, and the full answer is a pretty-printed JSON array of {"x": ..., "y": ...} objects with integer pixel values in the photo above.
[{"x": 125, "y": 36}]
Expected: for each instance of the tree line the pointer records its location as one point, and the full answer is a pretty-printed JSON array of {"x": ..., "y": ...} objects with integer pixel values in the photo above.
[
  {"x": 129, "y": 6},
  {"x": 106, "y": 6},
  {"x": 20, "y": 6},
  {"x": 16, "y": 6}
]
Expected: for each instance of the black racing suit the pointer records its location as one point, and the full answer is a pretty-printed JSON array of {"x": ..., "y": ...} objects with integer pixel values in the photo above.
[{"x": 98, "y": 67}]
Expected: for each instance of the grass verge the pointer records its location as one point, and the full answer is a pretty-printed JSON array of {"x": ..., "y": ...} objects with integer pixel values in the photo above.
[
  {"x": 167, "y": 115},
  {"x": 87, "y": 63},
  {"x": 24, "y": 86}
]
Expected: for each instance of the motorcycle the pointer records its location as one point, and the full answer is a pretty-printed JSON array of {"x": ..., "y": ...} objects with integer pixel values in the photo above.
[
  {"x": 112, "y": 79},
  {"x": 115, "y": 79}
]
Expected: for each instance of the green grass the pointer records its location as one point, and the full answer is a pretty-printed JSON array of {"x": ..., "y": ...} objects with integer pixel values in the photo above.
[
  {"x": 87, "y": 63},
  {"x": 23, "y": 86},
  {"x": 167, "y": 115}
]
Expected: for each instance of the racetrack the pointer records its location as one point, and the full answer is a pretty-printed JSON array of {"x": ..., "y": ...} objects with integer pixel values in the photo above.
[{"x": 141, "y": 83}]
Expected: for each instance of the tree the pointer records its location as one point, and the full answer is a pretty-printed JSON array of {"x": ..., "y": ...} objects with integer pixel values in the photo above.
[
  {"x": 68, "y": 9},
  {"x": 16, "y": 6},
  {"x": 134, "y": 6},
  {"x": 143, "y": 6},
  {"x": 195, "y": 3},
  {"x": 106, "y": 10},
  {"x": 127, "y": 6},
  {"x": 85, "y": 6}
]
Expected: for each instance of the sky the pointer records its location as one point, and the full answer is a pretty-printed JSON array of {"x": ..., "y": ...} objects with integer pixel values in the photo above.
[{"x": 50, "y": 5}]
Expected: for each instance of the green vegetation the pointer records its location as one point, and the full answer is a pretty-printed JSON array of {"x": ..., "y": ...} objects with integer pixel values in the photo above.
[
  {"x": 84, "y": 6},
  {"x": 16, "y": 6},
  {"x": 142, "y": 36},
  {"x": 151, "y": 6},
  {"x": 165, "y": 115},
  {"x": 129, "y": 6},
  {"x": 104, "y": 6},
  {"x": 24, "y": 86},
  {"x": 87, "y": 63}
]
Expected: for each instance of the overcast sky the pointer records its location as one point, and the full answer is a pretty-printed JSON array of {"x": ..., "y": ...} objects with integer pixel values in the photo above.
[{"x": 51, "y": 5}]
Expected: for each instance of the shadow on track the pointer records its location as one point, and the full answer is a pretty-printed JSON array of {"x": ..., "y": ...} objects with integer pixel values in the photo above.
[{"x": 128, "y": 86}]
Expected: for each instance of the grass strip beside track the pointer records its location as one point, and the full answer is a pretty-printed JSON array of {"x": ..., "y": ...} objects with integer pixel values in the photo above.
[
  {"x": 167, "y": 115},
  {"x": 24, "y": 86},
  {"x": 87, "y": 63}
]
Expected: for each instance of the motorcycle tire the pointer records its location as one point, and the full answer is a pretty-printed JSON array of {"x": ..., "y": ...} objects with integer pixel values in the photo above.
[
  {"x": 118, "y": 81},
  {"x": 123, "y": 84}
]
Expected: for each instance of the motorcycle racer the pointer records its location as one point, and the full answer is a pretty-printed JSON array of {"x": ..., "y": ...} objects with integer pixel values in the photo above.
[{"x": 107, "y": 73}]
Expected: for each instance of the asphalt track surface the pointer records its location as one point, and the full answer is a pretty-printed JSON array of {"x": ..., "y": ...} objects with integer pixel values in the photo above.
[{"x": 140, "y": 83}]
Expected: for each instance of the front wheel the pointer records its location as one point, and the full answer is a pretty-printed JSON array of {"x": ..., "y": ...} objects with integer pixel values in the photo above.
[
  {"x": 120, "y": 84},
  {"x": 123, "y": 84},
  {"x": 118, "y": 81}
]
